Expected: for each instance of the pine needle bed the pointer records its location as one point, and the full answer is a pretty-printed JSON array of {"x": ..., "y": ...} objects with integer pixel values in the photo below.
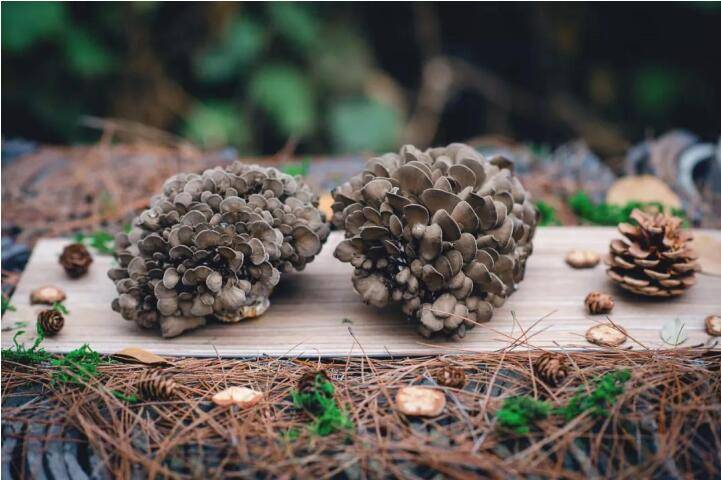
[{"x": 665, "y": 424}]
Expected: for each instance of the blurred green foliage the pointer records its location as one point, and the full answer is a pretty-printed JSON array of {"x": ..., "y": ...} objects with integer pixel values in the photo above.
[
  {"x": 345, "y": 77},
  {"x": 243, "y": 75}
]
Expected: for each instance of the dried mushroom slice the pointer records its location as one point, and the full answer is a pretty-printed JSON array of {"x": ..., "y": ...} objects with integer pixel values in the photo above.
[
  {"x": 444, "y": 232},
  {"x": 213, "y": 246}
]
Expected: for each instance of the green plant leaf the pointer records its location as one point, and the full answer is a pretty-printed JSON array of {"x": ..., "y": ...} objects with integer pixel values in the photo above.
[
  {"x": 241, "y": 43},
  {"x": 295, "y": 22},
  {"x": 215, "y": 125},
  {"x": 284, "y": 93},
  {"x": 25, "y": 23},
  {"x": 656, "y": 90},
  {"x": 363, "y": 125},
  {"x": 86, "y": 56}
]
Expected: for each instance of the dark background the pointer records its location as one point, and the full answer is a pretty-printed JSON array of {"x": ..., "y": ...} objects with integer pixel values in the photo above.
[{"x": 350, "y": 77}]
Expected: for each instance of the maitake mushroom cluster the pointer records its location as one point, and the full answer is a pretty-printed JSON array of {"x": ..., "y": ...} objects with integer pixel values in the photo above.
[
  {"x": 657, "y": 259},
  {"x": 214, "y": 245},
  {"x": 445, "y": 232}
]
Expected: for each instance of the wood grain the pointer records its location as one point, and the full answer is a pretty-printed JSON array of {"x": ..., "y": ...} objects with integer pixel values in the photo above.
[{"x": 316, "y": 312}]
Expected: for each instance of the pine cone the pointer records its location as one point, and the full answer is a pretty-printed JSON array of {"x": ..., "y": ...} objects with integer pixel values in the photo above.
[
  {"x": 214, "y": 246},
  {"x": 658, "y": 260},
  {"x": 154, "y": 385},
  {"x": 51, "y": 321},
  {"x": 598, "y": 303},
  {"x": 76, "y": 260},
  {"x": 444, "y": 232},
  {"x": 450, "y": 376},
  {"x": 551, "y": 367}
]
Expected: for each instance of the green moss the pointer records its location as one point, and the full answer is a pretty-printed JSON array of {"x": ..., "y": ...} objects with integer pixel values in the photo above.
[
  {"x": 604, "y": 393},
  {"x": 58, "y": 306},
  {"x": 518, "y": 414},
  {"x": 103, "y": 242},
  {"x": 6, "y": 305},
  {"x": 321, "y": 405},
  {"x": 18, "y": 353},
  {"x": 78, "y": 366},
  {"x": 608, "y": 213},
  {"x": 548, "y": 214}
]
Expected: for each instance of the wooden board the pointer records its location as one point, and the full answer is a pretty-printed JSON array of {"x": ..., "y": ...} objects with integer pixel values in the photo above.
[{"x": 316, "y": 312}]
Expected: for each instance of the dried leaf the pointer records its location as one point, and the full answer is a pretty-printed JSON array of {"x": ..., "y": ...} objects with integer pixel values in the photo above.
[
  {"x": 709, "y": 254},
  {"x": 674, "y": 332},
  {"x": 642, "y": 188},
  {"x": 138, "y": 355}
]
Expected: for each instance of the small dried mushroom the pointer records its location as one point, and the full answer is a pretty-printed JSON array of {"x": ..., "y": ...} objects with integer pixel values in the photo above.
[
  {"x": 47, "y": 295},
  {"x": 582, "y": 258},
  {"x": 76, "y": 260},
  {"x": 155, "y": 385},
  {"x": 551, "y": 367},
  {"x": 418, "y": 401},
  {"x": 51, "y": 321},
  {"x": 598, "y": 303},
  {"x": 713, "y": 325},
  {"x": 450, "y": 376},
  {"x": 444, "y": 232},
  {"x": 657, "y": 260},
  {"x": 606, "y": 335},
  {"x": 243, "y": 397},
  {"x": 214, "y": 246}
]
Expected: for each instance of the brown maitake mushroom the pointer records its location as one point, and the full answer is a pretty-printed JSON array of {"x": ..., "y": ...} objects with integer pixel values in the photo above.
[
  {"x": 51, "y": 322},
  {"x": 214, "y": 246},
  {"x": 657, "y": 260},
  {"x": 445, "y": 232},
  {"x": 76, "y": 260}
]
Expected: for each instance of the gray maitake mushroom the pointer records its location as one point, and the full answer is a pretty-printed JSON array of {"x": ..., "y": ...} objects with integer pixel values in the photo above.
[
  {"x": 214, "y": 245},
  {"x": 445, "y": 232}
]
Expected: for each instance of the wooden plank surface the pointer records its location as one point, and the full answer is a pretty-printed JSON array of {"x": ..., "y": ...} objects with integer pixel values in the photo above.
[{"x": 316, "y": 312}]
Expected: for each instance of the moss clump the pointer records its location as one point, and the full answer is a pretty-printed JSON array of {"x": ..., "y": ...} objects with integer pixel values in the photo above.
[
  {"x": 518, "y": 414},
  {"x": 19, "y": 354},
  {"x": 548, "y": 214},
  {"x": 604, "y": 392},
  {"x": 610, "y": 214},
  {"x": 320, "y": 404}
]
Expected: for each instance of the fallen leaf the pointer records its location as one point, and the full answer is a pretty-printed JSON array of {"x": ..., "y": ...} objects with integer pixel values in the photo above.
[
  {"x": 241, "y": 396},
  {"x": 420, "y": 401},
  {"x": 138, "y": 355},
  {"x": 606, "y": 335},
  {"x": 642, "y": 188},
  {"x": 673, "y": 332},
  {"x": 709, "y": 253}
]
